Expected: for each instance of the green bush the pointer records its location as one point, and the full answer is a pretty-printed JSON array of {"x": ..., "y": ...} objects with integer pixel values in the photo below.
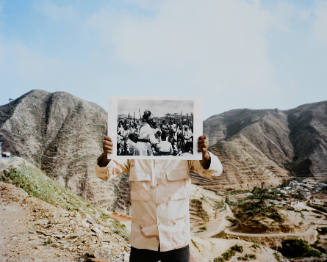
[
  {"x": 238, "y": 191},
  {"x": 255, "y": 245},
  {"x": 232, "y": 220},
  {"x": 219, "y": 205},
  {"x": 228, "y": 254},
  {"x": 321, "y": 249},
  {"x": 229, "y": 202},
  {"x": 318, "y": 207},
  {"x": 247, "y": 257},
  {"x": 314, "y": 253},
  {"x": 294, "y": 248},
  {"x": 237, "y": 248},
  {"x": 322, "y": 230},
  {"x": 277, "y": 256}
]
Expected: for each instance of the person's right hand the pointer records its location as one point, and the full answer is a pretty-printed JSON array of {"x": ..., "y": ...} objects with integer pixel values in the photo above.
[{"x": 107, "y": 149}]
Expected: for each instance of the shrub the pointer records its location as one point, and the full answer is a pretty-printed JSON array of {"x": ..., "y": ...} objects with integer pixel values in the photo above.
[
  {"x": 229, "y": 202},
  {"x": 219, "y": 205},
  {"x": 228, "y": 254},
  {"x": 318, "y": 207},
  {"x": 255, "y": 245},
  {"x": 237, "y": 248},
  {"x": 321, "y": 249},
  {"x": 293, "y": 248},
  {"x": 247, "y": 257},
  {"x": 322, "y": 230},
  {"x": 277, "y": 256},
  {"x": 232, "y": 220},
  {"x": 194, "y": 243}
]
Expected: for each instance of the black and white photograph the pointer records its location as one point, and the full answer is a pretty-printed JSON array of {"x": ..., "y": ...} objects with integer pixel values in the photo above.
[{"x": 154, "y": 127}]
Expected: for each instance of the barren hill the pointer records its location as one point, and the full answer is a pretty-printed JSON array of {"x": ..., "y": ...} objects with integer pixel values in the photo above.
[
  {"x": 264, "y": 146},
  {"x": 62, "y": 135}
]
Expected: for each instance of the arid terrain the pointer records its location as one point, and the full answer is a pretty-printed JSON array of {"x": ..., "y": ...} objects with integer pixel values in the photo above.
[
  {"x": 40, "y": 219},
  {"x": 270, "y": 203}
]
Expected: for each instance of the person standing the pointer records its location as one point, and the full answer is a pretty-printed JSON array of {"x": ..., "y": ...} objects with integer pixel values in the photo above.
[
  {"x": 146, "y": 136},
  {"x": 160, "y": 192},
  {"x": 164, "y": 147}
]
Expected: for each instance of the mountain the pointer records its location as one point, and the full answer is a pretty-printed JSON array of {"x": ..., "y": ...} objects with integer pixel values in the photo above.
[
  {"x": 265, "y": 146},
  {"x": 62, "y": 135},
  {"x": 308, "y": 125}
]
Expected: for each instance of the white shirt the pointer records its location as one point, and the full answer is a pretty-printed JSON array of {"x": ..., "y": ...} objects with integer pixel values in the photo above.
[
  {"x": 147, "y": 132},
  {"x": 165, "y": 147},
  {"x": 160, "y": 191}
]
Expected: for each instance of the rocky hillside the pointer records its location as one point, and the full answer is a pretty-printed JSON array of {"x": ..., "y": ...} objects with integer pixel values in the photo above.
[
  {"x": 42, "y": 220},
  {"x": 308, "y": 125},
  {"x": 264, "y": 146},
  {"x": 62, "y": 135}
]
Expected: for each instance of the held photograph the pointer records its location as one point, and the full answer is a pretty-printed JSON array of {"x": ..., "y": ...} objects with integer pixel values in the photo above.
[{"x": 154, "y": 127}]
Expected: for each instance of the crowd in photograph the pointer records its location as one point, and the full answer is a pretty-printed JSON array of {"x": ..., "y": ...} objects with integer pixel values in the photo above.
[{"x": 171, "y": 134}]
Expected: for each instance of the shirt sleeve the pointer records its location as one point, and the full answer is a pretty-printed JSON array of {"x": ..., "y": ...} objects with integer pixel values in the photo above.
[
  {"x": 153, "y": 139},
  {"x": 215, "y": 169},
  {"x": 113, "y": 169}
]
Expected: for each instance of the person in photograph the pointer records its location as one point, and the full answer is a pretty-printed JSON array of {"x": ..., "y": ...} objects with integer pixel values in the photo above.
[
  {"x": 146, "y": 136},
  {"x": 188, "y": 138},
  {"x": 180, "y": 140},
  {"x": 120, "y": 138},
  {"x": 160, "y": 191},
  {"x": 164, "y": 126},
  {"x": 131, "y": 144},
  {"x": 155, "y": 127},
  {"x": 123, "y": 133},
  {"x": 164, "y": 147}
]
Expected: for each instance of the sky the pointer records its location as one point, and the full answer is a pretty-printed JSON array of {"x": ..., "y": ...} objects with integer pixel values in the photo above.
[
  {"x": 158, "y": 108},
  {"x": 231, "y": 53}
]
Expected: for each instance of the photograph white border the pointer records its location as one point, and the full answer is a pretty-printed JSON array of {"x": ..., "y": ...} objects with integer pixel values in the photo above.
[{"x": 197, "y": 126}]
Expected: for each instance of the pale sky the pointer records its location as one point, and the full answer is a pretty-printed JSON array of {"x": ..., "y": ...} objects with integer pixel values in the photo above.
[
  {"x": 158, "y": 108},
  {"x": 232, "y": 53}
]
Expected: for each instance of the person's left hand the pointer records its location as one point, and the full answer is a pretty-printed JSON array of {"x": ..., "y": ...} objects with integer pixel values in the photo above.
[{"x": 202, "y": 147}]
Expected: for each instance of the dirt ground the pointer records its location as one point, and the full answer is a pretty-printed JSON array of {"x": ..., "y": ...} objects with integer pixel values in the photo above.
[{"x": 32, "y": 230}]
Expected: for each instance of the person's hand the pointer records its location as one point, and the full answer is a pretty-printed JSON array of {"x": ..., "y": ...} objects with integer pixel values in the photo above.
[
  {"x": 203, "y": 148},
  {"x": 107, "y": 145},
  {"x": 107, "y": 149}
]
